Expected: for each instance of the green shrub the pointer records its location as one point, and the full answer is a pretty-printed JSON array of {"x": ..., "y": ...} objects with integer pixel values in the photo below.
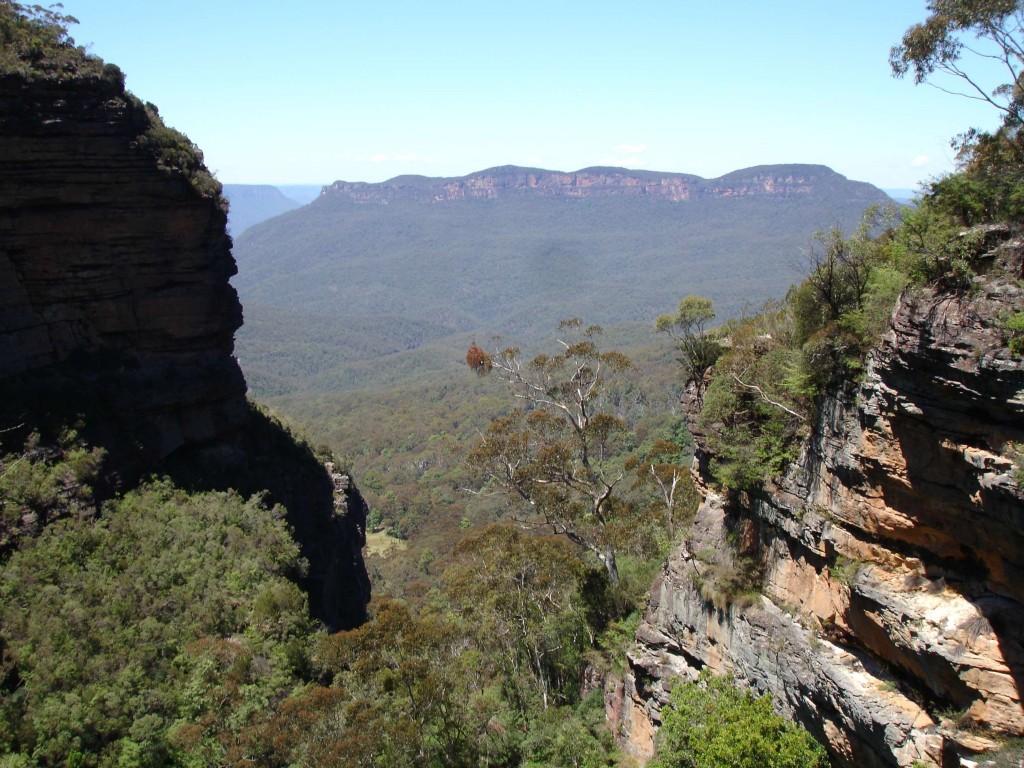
[
  {"x": 35, "y": 41},
  {"x": 174, "y": 152},
  {"x": 43, "y": 482},
  {"x": 565, "y": 736},
  {"x": 1013, "y": 332},
  {"x": 711, "y": 723},
  {"x": 749, "y": 438},
  {"x": 951, "y": 265},
  {"x": 871, "y": 318},
  {"x": 168, "y": 608},
  {"x": 964, "y": 197},
  {"x": 845, "y": 570},
  {"x": 990, "y": 185}
]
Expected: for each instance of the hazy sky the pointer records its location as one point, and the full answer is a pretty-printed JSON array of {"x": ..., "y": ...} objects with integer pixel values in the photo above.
[{"x": 363, "y": 90}]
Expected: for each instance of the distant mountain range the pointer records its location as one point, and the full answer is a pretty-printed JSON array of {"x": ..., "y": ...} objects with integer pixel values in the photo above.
[
  {"x": 777, "y": 181},
  {"x": 512, "y": 250},
  {"x": 253, "y": 203}
]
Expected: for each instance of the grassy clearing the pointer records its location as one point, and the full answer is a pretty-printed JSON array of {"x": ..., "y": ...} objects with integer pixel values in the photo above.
[{"x": 382, "y": 543}]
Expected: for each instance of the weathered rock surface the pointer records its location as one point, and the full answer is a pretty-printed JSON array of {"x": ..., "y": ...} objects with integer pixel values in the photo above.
[
  {"x": 891, "y": 621},
  {"x": 116, "y": 309},
  {"x": 113, "y": 271},
  {"x": 505, "y": 181}
]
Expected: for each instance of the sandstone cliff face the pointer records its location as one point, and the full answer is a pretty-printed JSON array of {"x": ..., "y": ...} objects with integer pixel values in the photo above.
[
  {"x": 495, "y": 183},
  {"x": 891, "y": 621},
  {"x": 116, "y": 308},
  {"x": 112, "y": 267}
]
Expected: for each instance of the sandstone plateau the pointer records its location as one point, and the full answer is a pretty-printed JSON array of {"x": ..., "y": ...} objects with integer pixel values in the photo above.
[
  {"x": 890, "y": 621},
  {"x": 598, "y": 182}
]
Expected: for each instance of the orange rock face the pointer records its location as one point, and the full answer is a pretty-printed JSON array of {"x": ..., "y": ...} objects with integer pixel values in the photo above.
[{"x": 891, "y": 619}]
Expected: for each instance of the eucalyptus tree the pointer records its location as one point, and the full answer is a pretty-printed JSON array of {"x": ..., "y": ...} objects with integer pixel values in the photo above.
[{"x": 558, "y": 457}]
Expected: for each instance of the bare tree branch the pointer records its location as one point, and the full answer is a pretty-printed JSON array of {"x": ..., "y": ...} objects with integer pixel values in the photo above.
[{"x": 759, "y": 391}]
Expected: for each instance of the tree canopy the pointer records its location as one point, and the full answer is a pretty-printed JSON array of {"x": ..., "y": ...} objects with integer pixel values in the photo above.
[
  {"x": 556, "y": 458},
  {"x": 975, "y": 48},
  {"x": 711, "y": 723},
  {"x": 698, "y": 351},
  {"x": 938, "y": 46},
  {"x": 36, "y": 40}
]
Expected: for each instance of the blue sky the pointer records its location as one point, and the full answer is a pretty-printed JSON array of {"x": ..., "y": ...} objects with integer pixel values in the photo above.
[{"x": 363, "y": 90}]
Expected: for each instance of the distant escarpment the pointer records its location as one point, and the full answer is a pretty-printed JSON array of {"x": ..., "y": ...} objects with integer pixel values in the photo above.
[
  {"x": 599, "y": 182},
  {"x": 117, "y": 316},
  {"x": 417, "y": 261},
  {"x": 253, "y": 203},
  {"x": 890, "y": 619}
]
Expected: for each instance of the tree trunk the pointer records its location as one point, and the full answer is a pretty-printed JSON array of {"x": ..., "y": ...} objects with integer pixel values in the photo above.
[{"x": 608, "y": 558}]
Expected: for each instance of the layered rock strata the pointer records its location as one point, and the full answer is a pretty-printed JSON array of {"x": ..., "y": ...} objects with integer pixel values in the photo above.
[
  {"x": 780, "y": 181},
  {"x": 890, "y": 621},
  {"x": 114, "y": 292},
  {"x": 116, "y": 311}
]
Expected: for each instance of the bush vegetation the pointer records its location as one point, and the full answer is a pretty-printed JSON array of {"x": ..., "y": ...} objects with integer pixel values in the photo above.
[
  {"x": 711, "y": 723},
  {"x": 176, "y": 154},
  {"x": 164, "y": 627},
  {"x": 763, "y": 394},
  {"x": 150, "y": 627},
  {"x": 765, "y": 389},
  {"x": 1014, "y": 332},
  {"x": 35, "y": 42}
]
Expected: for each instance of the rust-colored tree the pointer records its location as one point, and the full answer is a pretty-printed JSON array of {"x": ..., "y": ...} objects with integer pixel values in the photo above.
[{"x": 478, "y": 359}]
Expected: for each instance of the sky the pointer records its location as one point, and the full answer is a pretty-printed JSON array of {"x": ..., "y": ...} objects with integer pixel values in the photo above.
[{"x": 315, "y": 91}]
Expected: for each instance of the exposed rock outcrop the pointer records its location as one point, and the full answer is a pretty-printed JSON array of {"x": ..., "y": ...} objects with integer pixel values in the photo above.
[
  {"x": 116, "y": 309},
  {"x": 114, "y": 292},
  {"x": 509, "y": 180},
  {"x": 891, "y": 619}
]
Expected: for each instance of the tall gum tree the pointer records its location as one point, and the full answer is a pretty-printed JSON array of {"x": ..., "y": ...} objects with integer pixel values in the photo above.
[
  {"x": 942, "y": 45},
  {"x": 557, "y": 457}
]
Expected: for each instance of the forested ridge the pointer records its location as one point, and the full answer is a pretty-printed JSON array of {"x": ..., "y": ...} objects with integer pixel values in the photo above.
[
  {"x": 332, "y": 288},
  {"x": 524, "y": 495}
]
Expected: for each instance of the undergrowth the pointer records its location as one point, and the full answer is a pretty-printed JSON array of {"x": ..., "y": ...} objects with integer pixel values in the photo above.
[{"x": 763, "y": 395}]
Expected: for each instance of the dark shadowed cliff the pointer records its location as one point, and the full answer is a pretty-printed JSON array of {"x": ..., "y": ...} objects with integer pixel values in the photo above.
[{"x": 116, "y": 314}]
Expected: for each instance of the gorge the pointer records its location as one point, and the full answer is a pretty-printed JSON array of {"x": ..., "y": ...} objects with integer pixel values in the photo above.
[{"x": 182, "y": 578}]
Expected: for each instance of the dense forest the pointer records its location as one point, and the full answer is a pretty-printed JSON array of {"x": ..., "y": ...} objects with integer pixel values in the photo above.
[{"x": 521, "y": 507}]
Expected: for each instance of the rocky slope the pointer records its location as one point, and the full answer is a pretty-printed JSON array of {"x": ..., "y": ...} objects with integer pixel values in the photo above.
[
  {"x": 890, "y": 622},
  {"x": 116, "y": 311},
  {"x": 509, "y": 180}
]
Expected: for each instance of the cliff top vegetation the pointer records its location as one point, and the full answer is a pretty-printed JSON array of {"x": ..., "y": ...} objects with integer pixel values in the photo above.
[
  {"x": 35, "y": 41},
  {"x": 762, "y": 384}
]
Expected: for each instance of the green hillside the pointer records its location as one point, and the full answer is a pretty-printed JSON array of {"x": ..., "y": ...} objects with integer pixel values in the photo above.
[{"x": 339, "y": 281}]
